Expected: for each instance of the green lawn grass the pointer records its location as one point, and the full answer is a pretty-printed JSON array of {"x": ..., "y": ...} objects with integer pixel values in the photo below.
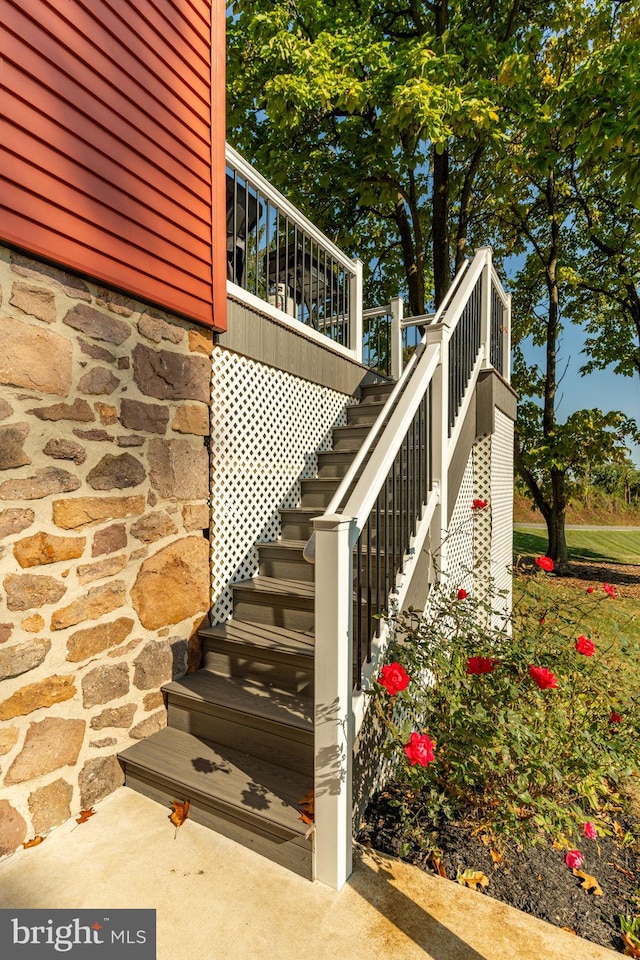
[
  {"x": 606, "y": 621},
  {"x": 610, "y": 545}
]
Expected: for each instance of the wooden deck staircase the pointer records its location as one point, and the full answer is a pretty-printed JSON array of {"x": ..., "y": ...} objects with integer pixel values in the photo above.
[{"x": 239, "y": 741}]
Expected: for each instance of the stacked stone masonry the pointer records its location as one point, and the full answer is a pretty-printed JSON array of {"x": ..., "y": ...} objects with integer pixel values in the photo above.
[{"x": 104, "y": 521}]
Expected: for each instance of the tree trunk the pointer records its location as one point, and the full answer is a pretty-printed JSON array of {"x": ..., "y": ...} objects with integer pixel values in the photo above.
[
  {"x": 440, "y": 199},
  {"x": 557, "y": 549},
  {"x": 440, "y": 226}
]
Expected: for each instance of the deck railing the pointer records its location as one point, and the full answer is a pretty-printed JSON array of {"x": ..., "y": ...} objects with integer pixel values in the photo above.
[
  {"x": 366, "y": 537},
  {"x": 389, "y": 340},
  {"x": 275, "y": 254}
]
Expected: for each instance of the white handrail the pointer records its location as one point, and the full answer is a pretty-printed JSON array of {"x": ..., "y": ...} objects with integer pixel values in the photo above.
[
  {"x": 309, "y": 549},
  {"x": 364, "y": 496},
  {"x": 243, "y": 167}
]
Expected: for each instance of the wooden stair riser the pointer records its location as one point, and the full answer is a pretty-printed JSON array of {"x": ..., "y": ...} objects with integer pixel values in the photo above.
[
  {"x": 375, "y": 393},
  {"x": 296, "y": 524},
  {"x": 333, "y": 465},
  {"x": 349, "y": 438},
  {"x": 285, "y": 746},
  {"x": 366, "y": 413},
  {"x": 284, "y": 564},
  {"x": 302, "y": 528},
  {"x": 278, "y": 610},
  {"x": 299, "y": 569},
  {"x": 318, "y": 493},
  {"x": 248, "y": 663},
  {"x": 291, "y": 851}
]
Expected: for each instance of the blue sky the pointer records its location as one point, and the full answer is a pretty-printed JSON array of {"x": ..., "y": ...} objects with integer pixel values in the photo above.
[{"x": 602, "y": 389}]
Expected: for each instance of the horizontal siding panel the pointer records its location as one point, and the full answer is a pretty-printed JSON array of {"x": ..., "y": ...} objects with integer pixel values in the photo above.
[
  {"x": 187, "y": 22},
  {"x": 189, "y": 19},
  {"x": 106, "y": 164},
  {"x": 121, "y": 35},
  {"x": 76, "y": 130},
  {"x": 46, "y": 211},
  {"x": 192, "y": 237},
  {"x": 45, "y": 242},
  {"x": 47, "y": 60},
  {"x": 151, "y": 251}
]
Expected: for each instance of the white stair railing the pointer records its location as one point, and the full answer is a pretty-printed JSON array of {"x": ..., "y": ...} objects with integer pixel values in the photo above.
[{"x": 400, "y": 496}]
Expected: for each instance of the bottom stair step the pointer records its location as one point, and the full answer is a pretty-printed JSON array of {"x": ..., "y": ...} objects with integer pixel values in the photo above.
[{"x": 251, "y": 801}]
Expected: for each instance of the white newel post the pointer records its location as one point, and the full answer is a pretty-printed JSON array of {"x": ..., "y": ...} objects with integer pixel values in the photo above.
[
  {"x": 506, "y": 372},
  {"x": 397, "y": 311},
  {"x": 485, "y": 324},
  {"x": 356, "y": 328},
  {"x": 333, "y": 699},
  {"x": 440, "y": 444}
]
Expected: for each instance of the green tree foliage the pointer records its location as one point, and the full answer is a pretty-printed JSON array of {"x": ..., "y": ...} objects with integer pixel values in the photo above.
[
  {"x": 410, "y": 129},
  {"x": 377, "y": 115},
  {"x": 577, "y": 236}
]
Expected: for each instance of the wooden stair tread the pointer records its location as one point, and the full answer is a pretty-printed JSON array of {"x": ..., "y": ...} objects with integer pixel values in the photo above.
[
  {"x": 256, "y": 788},
  {"x": 275, "y": 639},
  {"x": 298, "y": 589},
  {"x": 283, "y": 543},
  {"x": 252, "y": 697}
]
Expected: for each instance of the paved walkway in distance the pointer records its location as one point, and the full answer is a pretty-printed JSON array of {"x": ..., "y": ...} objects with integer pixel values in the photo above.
[
  {"x": 517, "y": 525},
  {"x": 216, "y": 900}
]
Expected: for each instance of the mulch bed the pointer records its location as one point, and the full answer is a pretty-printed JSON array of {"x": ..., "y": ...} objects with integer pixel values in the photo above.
[{"x": 535, "y": 880}]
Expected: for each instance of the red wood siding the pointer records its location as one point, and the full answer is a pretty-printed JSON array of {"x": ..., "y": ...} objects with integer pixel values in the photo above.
[{"x": 106, "y": 142}]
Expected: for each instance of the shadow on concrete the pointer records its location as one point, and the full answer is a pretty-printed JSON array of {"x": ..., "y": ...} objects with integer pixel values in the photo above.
[{"x": 401, "y": 917}]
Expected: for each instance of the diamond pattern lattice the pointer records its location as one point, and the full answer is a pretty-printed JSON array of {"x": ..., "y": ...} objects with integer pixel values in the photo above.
[
  {"x": 483, "y": 519},
  {"x": 267, "y": 427},
  {"x": 501, "y": 471},
  {"x": 461, "y": 531}
]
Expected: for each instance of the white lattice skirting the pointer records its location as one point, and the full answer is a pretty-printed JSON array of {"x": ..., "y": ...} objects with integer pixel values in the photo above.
[
  {"x": 267, "y": 427},
  {"x": 502, "y": 507},
  {"x": 459, "y": 572}
]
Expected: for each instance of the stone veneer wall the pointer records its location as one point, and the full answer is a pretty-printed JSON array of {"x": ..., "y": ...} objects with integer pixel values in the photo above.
[{"x": 104, "y": 568}]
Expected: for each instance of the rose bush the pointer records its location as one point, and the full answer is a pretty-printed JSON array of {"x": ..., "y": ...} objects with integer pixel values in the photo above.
[{"x": 509, "y": 722}]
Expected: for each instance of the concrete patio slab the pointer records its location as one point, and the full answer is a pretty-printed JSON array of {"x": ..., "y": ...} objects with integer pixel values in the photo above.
[{"x": 216, "y": 900}]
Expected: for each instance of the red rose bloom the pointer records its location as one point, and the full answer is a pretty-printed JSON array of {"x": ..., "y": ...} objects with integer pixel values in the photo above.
[
  {"x": 394, "y": 678},
  {"x": 543, "y": 678},
  {"x": 478, "y": 665},
  {"x": 610, "y": 589},
  {"x": 545, "y": 563},
  {"x": 479, "y": 504},
  {"x": 585, "y": 646},
  {"x": 589, "y": 830},
  {"x": 614, "y": 717},
  {"x": 419, "y": 749},
  {"x": 574, "y": 859},
  {"x": 462, "y": 594}
]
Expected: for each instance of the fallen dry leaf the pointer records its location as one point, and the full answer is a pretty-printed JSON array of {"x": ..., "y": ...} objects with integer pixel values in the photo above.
[
  {"x": 32, "y": 843},
  {"x": 496, "y": 857},
  {"x": 627, "y": 873},
  {"x": 438, "y": 865},
  {"x": 589, "y": 883},
  {"x": 84, "y": 815},
  {"x": 619, "y": 830},
  {"x": 307, "y": 803},
  {"x": 569, "y": 930},
  {"x": 180, "y": 812},
  {"x": 472, "y": 878},
  {"x": 631, "y": 949}
]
